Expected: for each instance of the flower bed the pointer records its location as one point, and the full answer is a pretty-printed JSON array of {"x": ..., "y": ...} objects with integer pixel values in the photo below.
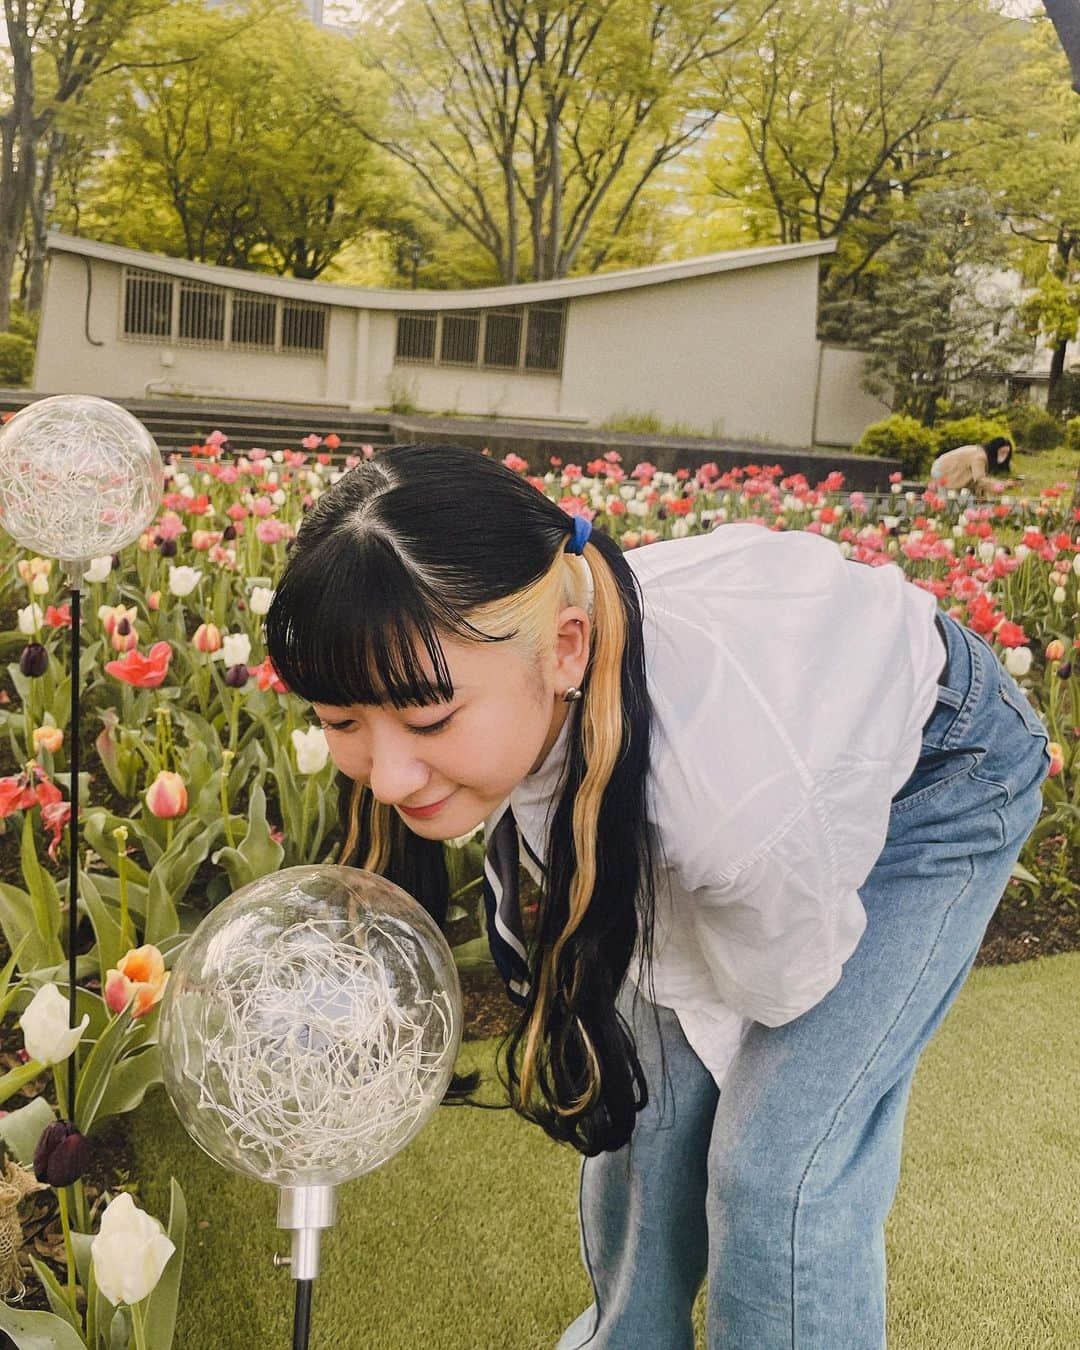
[{"x": 204, "y": 772}]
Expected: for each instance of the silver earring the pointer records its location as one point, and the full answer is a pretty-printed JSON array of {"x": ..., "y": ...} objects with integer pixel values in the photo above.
[{"x": 572, "y": 694}]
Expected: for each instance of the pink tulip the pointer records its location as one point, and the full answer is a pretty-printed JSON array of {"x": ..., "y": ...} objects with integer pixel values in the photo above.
[
  {"x": 207, "y": 638},
  {"x": 1055, "y": 650},
  {"x": 272, "y": 531},
  {"x": 124, "y": 637},
  {"x": 201, "y": 540},
  {"x": 153, "y": 600},
  {"x": 167, "y": 796},
  {"x": 262, "y": 507},
  {"x": 311, "y": 442},
  {"x": 140, "y": 975}
]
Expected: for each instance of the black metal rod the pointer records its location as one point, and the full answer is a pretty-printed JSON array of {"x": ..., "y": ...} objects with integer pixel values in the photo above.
[
  {"x": 73, "y": 837},
  {"x": 302, "y": 1315}
]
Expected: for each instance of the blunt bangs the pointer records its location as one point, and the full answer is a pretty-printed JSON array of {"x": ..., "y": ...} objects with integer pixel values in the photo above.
[{"x": 349, "y": 621}]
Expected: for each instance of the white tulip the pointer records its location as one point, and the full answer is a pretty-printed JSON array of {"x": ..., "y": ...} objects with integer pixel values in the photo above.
[
  {"x": 987, "y": 551},
  {"x": 845, "y": 548},
  {"x": 894, "y": 488},
  {"x": 40, "y": 584},
  {"x": 260, "y": 599},
  {"x": 1021, "y": 551},
  {"x": 1076, "y": 564},
  {"x": 45, "y": 1029},
  {"x": 183, "y": 580},
  {"x": 235, "y": 649},
  {"x": 278, "y": 497},
  {"x": 99, "y": 568},
  {"x": 272, "y": 478},
  {"x": 1059, "y": 594},
  {"x": 680, "y": 530},
  {"x": 130, "y": 1252},
  {"x": 30, "y": 619},
  {"x": 312, "y": 752},
  {"x": 182, "y": 479},
  {"x": 187, "y": 491},
  {"x": 1018, "y": 661}
]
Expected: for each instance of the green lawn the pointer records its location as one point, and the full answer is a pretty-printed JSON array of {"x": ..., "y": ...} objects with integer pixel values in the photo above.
[{"x": 468, "y": 1240}]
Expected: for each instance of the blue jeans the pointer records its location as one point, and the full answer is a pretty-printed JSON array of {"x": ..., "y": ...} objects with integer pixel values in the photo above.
[{"x": 777, "y": 1187}]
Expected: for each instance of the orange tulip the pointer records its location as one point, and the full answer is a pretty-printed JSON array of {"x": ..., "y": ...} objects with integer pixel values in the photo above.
[
  {"x": 140, "y": 975},
  {"x": 1057, "y": 758},
  {"x": 167, "y": 796},
  {"x": 1055, "y": 650}
]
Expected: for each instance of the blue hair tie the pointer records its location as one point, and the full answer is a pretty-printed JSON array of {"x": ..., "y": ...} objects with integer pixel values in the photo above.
[{"x": 582, "y": 530}]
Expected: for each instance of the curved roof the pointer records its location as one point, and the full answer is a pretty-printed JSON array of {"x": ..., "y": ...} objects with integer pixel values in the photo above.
[{"x": 360, "y": 297}]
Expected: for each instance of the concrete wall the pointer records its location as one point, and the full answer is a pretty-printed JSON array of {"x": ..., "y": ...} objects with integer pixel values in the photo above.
[
  {"x": 735, "y": 351},
  {"x": 69, "y": 362},
  {"x": 844, "y": 408}
]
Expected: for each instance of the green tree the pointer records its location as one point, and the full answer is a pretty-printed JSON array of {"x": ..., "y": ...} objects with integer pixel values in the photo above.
[
  {"x": 535, "y": 127},
  {"x": 939, "y": 318},
  {"x": 842, "y": 112}
]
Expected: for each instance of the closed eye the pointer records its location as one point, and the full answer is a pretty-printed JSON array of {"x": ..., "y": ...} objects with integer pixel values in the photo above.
[
  {"x": 335, "y": 726},
  {"x": 433, "y": 728}
]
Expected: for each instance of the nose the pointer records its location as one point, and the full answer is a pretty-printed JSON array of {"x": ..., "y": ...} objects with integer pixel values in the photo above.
[{"x": 395, "y": 774}]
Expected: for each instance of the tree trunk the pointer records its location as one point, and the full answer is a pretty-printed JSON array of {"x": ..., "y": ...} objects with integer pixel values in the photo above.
[
  {"x": 1057, "y": 369},
  {"x": 40, "y": 205},
  {"x": 16, "y": 156}
]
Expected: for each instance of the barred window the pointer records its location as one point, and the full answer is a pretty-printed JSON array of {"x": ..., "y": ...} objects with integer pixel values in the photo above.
[
  {"x": 303, "y": 327},
  {"x": 543, "y": 338},
  {"x": 253, "y": 320},
  {"x": 502, "y": 337},
  {"x": 460, "y": 338},
  {"x": 416, "y": 337},
  {"x": 147, "y": 304},
  {"x": 202, "y": 313}
]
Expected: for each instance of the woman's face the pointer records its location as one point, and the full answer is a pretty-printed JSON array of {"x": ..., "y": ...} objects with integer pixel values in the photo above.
[{"x": 469, "y": 753}]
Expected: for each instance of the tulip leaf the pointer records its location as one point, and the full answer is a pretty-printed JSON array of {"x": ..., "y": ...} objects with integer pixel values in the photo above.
[
  {"x": 6, "y": 991},
  {"x": 129, "y": 1081},
  {"x": 473, "y": 955},
  {"x": 80, "y": 1245},
  {"x": 17, "y": 1078},
  {"x": 43, "y": 893},
  {"x": 1022, "y": 874},
  {"x": 163, "y": 1301},
  {"x": 97, "y": 827},
  {"x": 97, "y": 1069},
  {"x": 19, "y": 925},
  {"x": 121, "y": 1334},
  {"x": 257, "y": 854},
  {"x": 109, "y": 888},
  {"x": 110, "y": 945},
  {"x": 53, "y": 1292},
  {"x": 39, "y": 1330},
  {"x": 173, "y": 874},
  {"x": 20, "y": 1130}
]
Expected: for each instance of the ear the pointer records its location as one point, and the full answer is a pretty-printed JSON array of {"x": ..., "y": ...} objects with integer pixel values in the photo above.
[{"x": 572, "y": 635}]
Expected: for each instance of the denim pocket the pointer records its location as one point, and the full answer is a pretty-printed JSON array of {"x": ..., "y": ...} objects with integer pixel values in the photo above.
[
  {"x": 1014, "y": 696},
  {"x": 936, "y": 771}
]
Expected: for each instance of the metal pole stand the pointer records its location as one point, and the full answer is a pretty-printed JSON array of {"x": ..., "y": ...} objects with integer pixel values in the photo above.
[{"x": 306, "y": 1211}]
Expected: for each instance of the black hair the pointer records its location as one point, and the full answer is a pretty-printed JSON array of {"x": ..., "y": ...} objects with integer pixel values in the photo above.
[{"x": 398, "y": 554}]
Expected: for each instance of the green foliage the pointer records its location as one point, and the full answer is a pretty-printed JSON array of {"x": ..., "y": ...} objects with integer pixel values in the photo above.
[
  {"x": 900, "y": 437},
  {"x": 24, "y": 323},
  {"x": 974, "y": 430},
  {"x": 1072, "y": 433},
  {"x": 1033, "y": 428},
  {"x": 16, "y": 359}
]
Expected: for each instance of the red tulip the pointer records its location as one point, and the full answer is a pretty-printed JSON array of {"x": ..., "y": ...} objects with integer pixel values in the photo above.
[{"x": 144, "y": 672}]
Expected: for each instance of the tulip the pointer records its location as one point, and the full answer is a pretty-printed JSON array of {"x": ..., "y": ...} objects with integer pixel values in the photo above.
[
  {"x": 1064, "y": 670},
  {"x": 110, "y": 616},
  {"x": 261, "y": 598},
  {"x": 45, "y": 1029},
  {"x": 62, "y": 1154},
  {"x": 1018, "y": 661},
  {"x": 235, "y": 649},
  {"x": 29, "y": 620},
  {"x": 33, "y": 660},
  {"x": 229, "y": 533},
  {"x": 311, "y": 749},
  {"x": 140, "y": 976},
  {"x": 207, "y": 638},
  {"x": 1058, "y": 596},
  {"x": 29, "y": 568},
  {"x": 167, "y": 549},
  {"x": 52, "y": 738},
  {"x": 1057, "y": 758},
  {"x": 124, "y": 637},
  {"x": 1055, "y": 650},
  {"x": 183, "y": 580},
  {"x": 99, "y": 568},
  {"x": 129, "y": 1253},
  {"x": 236, "y": 676},
  {"x": 167, "y": 796},
  {"x": 153, "y": 600},
  {"x": 142, "y": 672}
]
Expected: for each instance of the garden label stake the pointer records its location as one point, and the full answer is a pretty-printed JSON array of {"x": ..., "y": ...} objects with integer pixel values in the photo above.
[{"x": 308, "y": 1031}]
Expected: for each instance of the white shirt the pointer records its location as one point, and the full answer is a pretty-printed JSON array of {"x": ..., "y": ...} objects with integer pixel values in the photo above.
[{"x": 789, "y": 689}]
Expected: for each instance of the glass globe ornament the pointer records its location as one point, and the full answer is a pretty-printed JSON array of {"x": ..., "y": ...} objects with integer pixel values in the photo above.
[
  {"x": 79, "y": 477},
  {"x": 310, "y": 1025}
]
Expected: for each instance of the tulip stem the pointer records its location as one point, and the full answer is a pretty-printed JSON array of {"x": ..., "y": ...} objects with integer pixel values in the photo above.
[
  {"x": 137, "y": 1325},
  {"x": 69, "y": 1250}
]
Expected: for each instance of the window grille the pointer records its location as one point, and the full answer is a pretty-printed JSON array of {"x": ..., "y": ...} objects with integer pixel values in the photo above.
[
  {"x": 202, "y": 314},
  {"x": 543, "y": 338},
  {"x": 502, "y": 337},
  {"x": 147, "y": 305},
  {"x": 460, "y": 338},
  {"x": 303, "y": 326},
  {"x": 416, "y": 337},
  {"x": 253, "y": 320}
]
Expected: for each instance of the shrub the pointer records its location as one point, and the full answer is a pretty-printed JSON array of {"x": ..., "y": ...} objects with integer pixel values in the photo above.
[
  {"x": 1072, "y": 433},
  {"x": 1034, "y": 428},
  {"x": 969, "y": 431},
  {"x": 900, "y": 437},
  {"x": 23, "y": 322},
  {"x": 16, "y": 359}
]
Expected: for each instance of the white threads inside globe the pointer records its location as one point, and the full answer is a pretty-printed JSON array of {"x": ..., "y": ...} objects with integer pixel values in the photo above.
[
  {"x": 310, "y": 1053},
  {"x": 79, "y": 477}
]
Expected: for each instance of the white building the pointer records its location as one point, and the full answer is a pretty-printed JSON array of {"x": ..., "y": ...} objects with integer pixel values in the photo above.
[{"x": 723, "y": 344}]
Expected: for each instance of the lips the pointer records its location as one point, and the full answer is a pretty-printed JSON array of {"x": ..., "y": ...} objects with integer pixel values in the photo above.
[{"x": 425, "y": 811}]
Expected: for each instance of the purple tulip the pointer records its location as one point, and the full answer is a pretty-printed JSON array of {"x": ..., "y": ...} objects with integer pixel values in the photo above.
[
  {"x": 62, "y": 1154},
  {"x": 229, "y": 533},
  {"x": 168, "y": 548},
  {"x": 1064, "y": 670},
  {"x": 236, "y": 676},
  {"x": 33, "y": 660}
]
